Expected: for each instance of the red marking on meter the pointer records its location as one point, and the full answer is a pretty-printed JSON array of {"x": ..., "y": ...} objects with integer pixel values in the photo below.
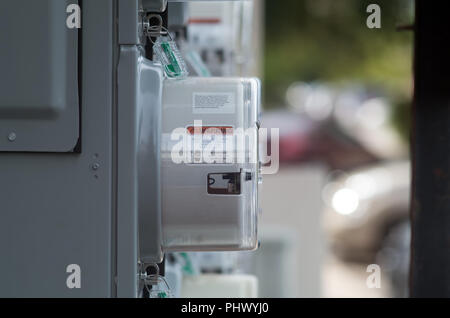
[{"x": 211, "y": 130}]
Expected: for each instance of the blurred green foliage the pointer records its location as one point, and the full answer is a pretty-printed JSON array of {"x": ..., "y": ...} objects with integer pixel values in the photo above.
[{"x": 328, "y": 41}]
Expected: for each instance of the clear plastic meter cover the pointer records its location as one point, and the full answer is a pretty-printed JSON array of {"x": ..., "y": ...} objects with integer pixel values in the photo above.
[{"x": 210, "y": 164}]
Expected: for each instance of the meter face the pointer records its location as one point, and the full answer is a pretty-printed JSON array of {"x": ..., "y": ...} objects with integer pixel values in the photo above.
[{"x": 210, "y": 164}]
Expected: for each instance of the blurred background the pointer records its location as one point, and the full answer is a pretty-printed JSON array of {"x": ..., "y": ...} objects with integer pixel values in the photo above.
[{"x": 340, "y": 93}]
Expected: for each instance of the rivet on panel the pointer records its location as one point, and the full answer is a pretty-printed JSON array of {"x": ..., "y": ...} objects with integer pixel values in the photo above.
[{"x": 12, "y": 137}]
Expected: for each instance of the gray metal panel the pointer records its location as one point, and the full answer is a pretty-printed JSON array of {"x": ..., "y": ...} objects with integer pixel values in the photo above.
[
  {"x": 55, "y": 210},
  {"x": 127, "y": 219},
  {"x": 139, "y": 106},
  {"x": 129, "y": 29},
  {"x": 154, "y": 5},
  {"x": 38, "y": 77}
]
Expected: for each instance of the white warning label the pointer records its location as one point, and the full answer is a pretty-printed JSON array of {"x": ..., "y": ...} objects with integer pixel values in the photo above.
[{"x": 213, "y": 103}]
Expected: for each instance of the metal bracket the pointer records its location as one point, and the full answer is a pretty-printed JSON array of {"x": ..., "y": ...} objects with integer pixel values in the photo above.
[{"x": 155, "y": 30}]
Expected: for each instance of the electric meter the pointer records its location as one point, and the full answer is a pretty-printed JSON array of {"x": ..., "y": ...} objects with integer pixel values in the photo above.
[{"x": 210, "y": 164}]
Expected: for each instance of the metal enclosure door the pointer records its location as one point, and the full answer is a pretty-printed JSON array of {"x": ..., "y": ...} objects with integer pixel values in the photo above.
[
  {"x": 39, "y": 106},
  {"x": 55, "y": 208},
  {"x": 99, "y": 207}
]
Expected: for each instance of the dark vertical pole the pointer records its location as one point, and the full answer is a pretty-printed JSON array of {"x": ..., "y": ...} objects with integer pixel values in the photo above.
[{"x": 430, "y": 260}]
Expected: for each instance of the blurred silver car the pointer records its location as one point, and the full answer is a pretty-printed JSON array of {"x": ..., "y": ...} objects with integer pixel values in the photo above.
[{"x": 367, "y": 218}]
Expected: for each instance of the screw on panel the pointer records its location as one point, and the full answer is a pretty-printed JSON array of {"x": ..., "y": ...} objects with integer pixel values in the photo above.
[
  {"x": 12, "y": 137},
  {"x": 95, "y": 166}
]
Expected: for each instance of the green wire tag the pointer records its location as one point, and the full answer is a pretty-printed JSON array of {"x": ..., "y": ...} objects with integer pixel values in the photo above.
[{"x": 170, "y": 57}]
